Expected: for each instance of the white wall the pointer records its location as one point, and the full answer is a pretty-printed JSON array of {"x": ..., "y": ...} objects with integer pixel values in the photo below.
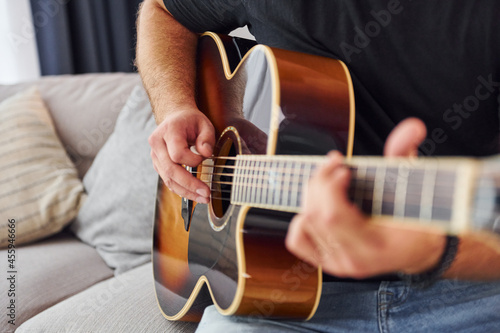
[{"x": 18, "y": 51}]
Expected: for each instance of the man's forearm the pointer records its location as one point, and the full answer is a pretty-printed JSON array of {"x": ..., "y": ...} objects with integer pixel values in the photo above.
[
  {"x": 478, "y": 258},
  {"x": 165, "y": 59}
]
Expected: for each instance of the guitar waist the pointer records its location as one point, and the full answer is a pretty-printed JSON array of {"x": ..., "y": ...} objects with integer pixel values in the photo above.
[{"x": 378, "y": 278}]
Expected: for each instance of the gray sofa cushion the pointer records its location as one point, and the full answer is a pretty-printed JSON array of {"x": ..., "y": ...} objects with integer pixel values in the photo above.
[
  {"x": 84, "y": 109},
  {"x": 49, "y": 272},
  {"x": 117, "y": 216},
  {"x": 122, "y": 304}
]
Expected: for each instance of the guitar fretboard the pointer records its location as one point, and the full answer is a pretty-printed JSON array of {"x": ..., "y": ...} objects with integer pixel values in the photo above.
[
  {"x": 418, "y": 190},
  {"x": 275, "y": 183}
]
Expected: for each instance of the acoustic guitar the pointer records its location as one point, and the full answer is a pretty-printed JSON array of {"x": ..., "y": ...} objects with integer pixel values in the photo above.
[{"x": 277, "y": 113}]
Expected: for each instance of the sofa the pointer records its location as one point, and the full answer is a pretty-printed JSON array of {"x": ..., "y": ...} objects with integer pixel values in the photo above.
[{"x": 89, "y": 269}]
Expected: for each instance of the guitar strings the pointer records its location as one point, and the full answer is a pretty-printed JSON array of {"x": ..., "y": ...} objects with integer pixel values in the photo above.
[
  {"x": 282, "y": 173},
  {"x": 290, "y": 179},
  {"x": 226, "y": 199},
  {"x": 264, "y": 182},
  {"x": 294, "y": 180},
  {"x": 367, "y": 188},
  {"x": 366, "y": 193},
  {"x": 293, "y": 171},
  {"x": 361, "y": 194}
]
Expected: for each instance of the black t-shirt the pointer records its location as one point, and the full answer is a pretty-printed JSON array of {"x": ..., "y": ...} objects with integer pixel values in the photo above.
[{"x": 435, "y": 60}]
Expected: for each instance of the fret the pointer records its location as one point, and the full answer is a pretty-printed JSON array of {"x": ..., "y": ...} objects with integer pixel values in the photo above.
[
  {"x": 400, "y": 192},
  {"x": 279, "y": 190},
  {"x": 253, "y": 181},
  {"x": 486, "y": 210},
  {"x": 389, "y": 196},
  {"x": 265, "y": 182},
  {"x": 260, "y": 184},
  {"x": 312, "y": 170},
  {"x": 239, "y": 170},
  {"x": 466, "y": 174},
  {"x": 414, "y": 193},
  {"x": 295, "y": 183},
  {"x": 248, "y": 192},
  {"x": 272, "y": 182},
  {"x": 444, "y": 191},
  {"x": 240, "y": 180},
  {"x": 277, "y": 184},
  {"x": 286, "y": 183},
  {"x": 359, "y": 191},
  {"x": 378, "y": 190},
  {"x": 427, "y": 197},
  {"x": 368, "y": 187},
  {"x": 307, "y": 171},
  {"x": 306, "y": 176},
  {"x": 246, "y": 181},
  {"x": 235, "y": 187},
  {"x": 245, "y": 187}
]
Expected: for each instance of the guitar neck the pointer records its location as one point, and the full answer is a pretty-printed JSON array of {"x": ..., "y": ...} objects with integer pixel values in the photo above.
[{"x": 427, "y": 190}]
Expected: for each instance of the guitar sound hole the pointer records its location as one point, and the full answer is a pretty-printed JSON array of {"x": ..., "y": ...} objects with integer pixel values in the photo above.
[{"x": 222, "y": 184}]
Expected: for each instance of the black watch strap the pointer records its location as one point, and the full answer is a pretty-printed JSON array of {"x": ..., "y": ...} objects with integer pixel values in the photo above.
[{"x": 426, "y": 279}]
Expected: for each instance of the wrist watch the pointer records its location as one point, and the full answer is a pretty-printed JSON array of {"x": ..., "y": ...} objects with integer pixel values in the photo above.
[{"x": 426, "y": 279}]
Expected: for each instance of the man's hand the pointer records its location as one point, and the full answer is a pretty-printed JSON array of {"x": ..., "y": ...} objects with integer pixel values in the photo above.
[
  {"x": 166, "y": 53},
  {"x": 332, "y": 232},
  {"x": 170, "y": 149}
]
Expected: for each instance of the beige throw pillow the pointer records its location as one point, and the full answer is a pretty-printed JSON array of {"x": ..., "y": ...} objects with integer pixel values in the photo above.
[{"x": 40, "y": 191}]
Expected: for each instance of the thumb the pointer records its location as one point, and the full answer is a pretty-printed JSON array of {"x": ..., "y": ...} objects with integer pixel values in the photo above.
[
  {"x": 405, "y": 138},
  {"x": 205, "y": 141}
]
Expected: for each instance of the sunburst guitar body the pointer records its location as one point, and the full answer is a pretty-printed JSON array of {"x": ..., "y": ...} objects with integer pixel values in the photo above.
[{"x": 231, "y": 252}]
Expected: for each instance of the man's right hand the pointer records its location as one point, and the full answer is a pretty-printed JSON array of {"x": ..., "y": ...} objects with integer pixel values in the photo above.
[{"x": 170, "y": 149}]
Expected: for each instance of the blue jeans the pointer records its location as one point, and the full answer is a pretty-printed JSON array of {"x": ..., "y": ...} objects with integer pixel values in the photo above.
[{"x": 388, "y": 307}]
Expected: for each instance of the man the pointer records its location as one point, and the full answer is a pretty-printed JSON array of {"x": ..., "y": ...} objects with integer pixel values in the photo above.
[{"x": 436, "y": 62}]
